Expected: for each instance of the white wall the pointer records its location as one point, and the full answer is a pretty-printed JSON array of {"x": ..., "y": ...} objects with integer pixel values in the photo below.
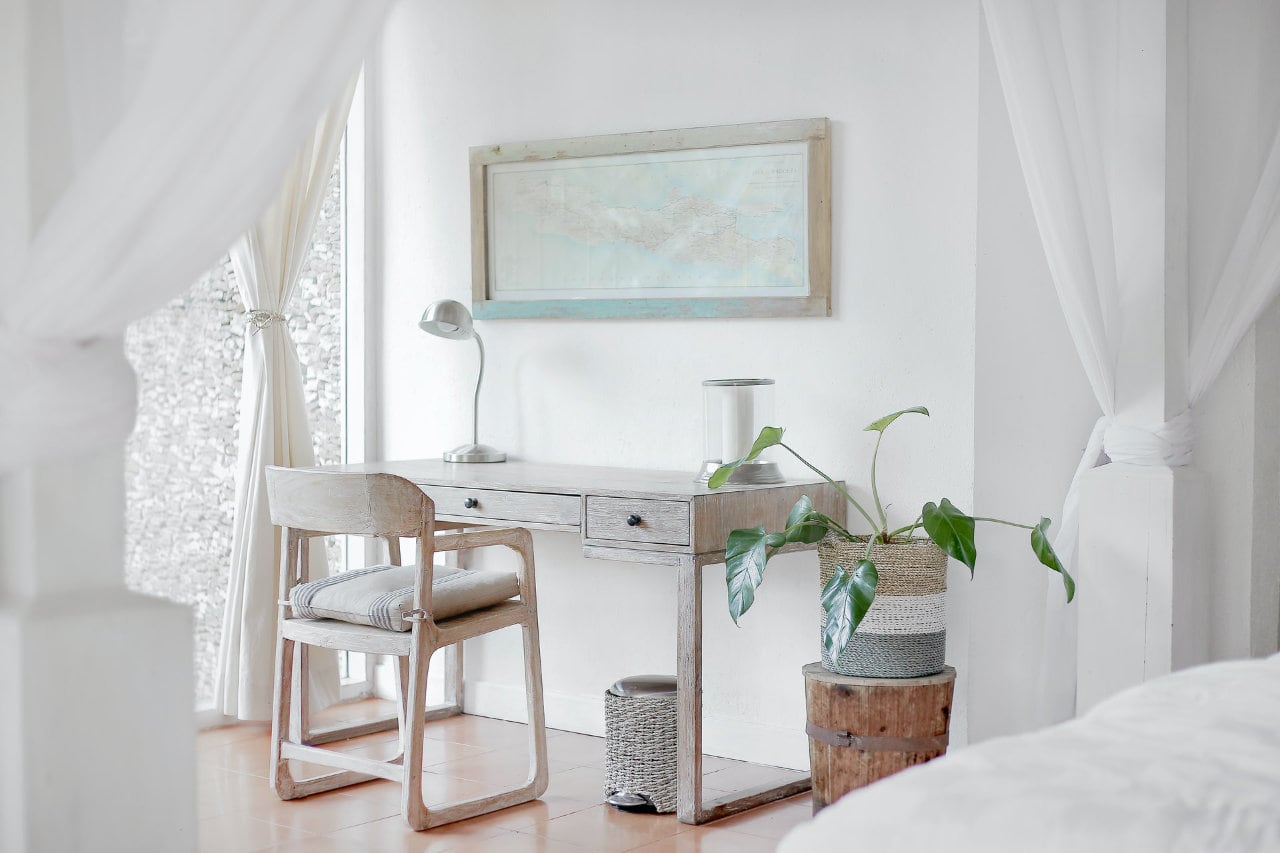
[
  {"x": 900, "y": 84},
  {"x": 1234, "y": 112}
]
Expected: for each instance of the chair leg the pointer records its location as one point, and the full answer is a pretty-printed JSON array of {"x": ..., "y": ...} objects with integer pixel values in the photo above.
[
  {"x": 453, "y": 676},
  {"x": 538, "y": 775},
  {"x": 402, "y": 691},
  {"x": 300, "y": 707},
  {"x": 412, "y": 806},
  {"x": 536, "y": 783},
  {"x": 415, "y": 812},
  {"x": 533, "y": 673},
  {"x": 281, "y": 777}
]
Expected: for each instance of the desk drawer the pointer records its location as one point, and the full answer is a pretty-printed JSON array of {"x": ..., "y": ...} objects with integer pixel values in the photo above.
[
  {"x": 658, "y": 522},
  {"x": 499, "y": 505}
]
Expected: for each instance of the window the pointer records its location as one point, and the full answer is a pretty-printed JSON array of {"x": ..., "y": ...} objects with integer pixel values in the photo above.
[{"x": 181, "y": 458}]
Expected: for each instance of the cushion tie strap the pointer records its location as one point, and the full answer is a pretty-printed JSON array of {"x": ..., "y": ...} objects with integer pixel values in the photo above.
[
  {"x": 415, "y": 615},
  {"x": 870, "y": 743}
]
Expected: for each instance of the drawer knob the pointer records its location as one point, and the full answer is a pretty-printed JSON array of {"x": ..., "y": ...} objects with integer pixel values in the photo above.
[
  {"x": 633, "y": 520},
  {"x": 471, "y": 503}
]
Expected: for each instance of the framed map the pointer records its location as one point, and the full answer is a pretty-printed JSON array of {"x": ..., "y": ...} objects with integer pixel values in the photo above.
[{"x": 730, "y": 221}]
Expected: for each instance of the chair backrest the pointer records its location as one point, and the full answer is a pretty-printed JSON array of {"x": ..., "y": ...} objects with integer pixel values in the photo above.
[{"x": 347, "y": 503}]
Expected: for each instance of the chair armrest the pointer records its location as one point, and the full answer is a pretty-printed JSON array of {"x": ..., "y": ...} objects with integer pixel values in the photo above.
[
  {"x": 512, "y": 537},
  {"x": 517, "y": 539}
]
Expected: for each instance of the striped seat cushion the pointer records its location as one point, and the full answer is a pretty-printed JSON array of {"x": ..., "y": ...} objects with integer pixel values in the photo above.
[{"x": 379, "y": 596}]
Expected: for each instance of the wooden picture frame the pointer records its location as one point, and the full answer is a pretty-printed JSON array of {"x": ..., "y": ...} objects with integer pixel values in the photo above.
[{"x": 730, "y": 221}]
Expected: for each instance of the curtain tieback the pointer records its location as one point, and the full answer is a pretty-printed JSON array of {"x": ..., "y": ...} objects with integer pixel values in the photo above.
[
  {"x": 1169, "y": 443},
  {"x": 260, "y": 319}
]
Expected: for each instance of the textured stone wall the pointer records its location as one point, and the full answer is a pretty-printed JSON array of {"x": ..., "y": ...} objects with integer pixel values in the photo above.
[{"x": 181, "y": 458}]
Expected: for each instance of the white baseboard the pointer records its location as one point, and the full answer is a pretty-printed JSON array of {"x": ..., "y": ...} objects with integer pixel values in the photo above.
[{"x": 728, "y": 737}]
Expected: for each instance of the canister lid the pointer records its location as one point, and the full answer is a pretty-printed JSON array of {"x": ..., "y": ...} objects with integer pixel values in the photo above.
[{"x": 644, "y": 685}]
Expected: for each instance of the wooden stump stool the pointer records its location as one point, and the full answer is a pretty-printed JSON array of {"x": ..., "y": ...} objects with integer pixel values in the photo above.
[{"x": 863, "y": 729}]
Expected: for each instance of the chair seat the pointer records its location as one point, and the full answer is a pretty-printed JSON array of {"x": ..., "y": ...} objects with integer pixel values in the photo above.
[
  {"x": 348, "y": 636},
  {"x": 379, "y": 596}
]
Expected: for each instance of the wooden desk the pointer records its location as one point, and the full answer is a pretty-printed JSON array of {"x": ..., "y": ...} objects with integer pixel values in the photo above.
[{"x": 661, "y": 518}]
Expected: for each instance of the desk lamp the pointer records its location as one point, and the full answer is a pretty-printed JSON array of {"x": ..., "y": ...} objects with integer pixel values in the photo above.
[{"x": 450, "y": 319}]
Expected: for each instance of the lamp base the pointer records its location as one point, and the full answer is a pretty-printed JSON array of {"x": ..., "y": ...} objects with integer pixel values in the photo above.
[{"x": 475, "y": 453}]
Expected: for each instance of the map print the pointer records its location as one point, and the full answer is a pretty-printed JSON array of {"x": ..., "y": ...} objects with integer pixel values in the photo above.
[{"x": 716, "y": 222}]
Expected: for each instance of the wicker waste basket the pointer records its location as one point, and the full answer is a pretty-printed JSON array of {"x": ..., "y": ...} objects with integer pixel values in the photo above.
[{"x": 640, "y": 744}]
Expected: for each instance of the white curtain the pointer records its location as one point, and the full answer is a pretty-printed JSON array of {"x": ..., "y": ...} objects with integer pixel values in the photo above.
[
  {"x": 1043, "y": 56},
  {"x": 1249, "y": 281},
  {"x": 1051, "y": 56},
  {"x": 183, "y": 115},
  {"x": 268, "y": 261}
]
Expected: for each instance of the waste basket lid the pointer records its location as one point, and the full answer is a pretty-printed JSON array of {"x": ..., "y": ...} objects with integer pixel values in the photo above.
[{"x": 644, "y": 685}]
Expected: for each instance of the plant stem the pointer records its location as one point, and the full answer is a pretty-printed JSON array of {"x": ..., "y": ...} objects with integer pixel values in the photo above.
[
  {"x": 831, "y": 522},
  {"x": 874, "y": 528},
  {"x": 910, "y": 527},
  {"x": 1002, "y": 521},
  {"x": 875, "y": 493}
]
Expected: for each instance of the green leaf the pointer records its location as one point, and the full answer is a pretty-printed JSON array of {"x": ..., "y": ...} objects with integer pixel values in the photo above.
[
  {"x": 810, "y": 532},
  {"x": 803, "y": 507},
  {"x": 846, "y": 598},
  {"x": 804, "y": 524},
  {"x": 1044, "y": 552},
  {"x": 882, "y": 424},
  {"x": 952, "y": 530},
  {"x": 768, "y": 437},
  {"x": 744, "y": 562}
]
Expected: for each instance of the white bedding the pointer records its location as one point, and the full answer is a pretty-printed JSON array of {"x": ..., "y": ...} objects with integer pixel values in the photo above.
[{"x": 1188, "y": 762}]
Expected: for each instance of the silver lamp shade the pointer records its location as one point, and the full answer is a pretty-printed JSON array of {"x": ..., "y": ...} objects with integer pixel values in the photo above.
[
  {"x": 450, "y": 319},
  {"x": 447, "y": 318}
]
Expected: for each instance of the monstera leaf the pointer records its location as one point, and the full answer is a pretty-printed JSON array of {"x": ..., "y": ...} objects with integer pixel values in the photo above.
[
  {"x": 745, "y": 557},
  {"x": 804, "y": 525},
  {"x": 768, "y": 437},
  {"x": 883, "y": 424},
  {"x": 952, "y": 530},
  {"x": 1044, "y": 552},
  {"x": 846, "y": 599}
]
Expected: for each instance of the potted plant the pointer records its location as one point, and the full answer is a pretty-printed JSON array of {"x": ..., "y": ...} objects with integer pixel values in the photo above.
[{"x": 903, "y": 636}]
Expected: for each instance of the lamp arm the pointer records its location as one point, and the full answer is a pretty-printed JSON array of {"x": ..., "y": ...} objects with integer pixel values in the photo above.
[{"x": 475, "y": 408}]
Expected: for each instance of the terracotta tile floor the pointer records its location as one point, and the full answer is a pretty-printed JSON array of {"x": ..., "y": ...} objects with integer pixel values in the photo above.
[{"x": 465, "y": 757}]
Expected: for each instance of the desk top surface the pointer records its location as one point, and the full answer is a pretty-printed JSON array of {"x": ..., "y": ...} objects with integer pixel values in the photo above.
[{"x": 520, "y": 476}]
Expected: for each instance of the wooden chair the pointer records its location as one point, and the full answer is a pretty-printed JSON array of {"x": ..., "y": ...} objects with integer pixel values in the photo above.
[{"x": 309, "y": 504}]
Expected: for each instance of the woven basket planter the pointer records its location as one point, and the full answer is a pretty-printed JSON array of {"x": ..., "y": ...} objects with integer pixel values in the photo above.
[{"x": 904, "y": 633}]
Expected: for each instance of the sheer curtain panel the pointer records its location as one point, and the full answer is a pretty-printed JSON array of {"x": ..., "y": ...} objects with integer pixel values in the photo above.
[
  {"x": 182, "y": 117},
  {"x": 273, "y": 429},
  {"x": 1057, "y": 65},
  {"x": 143, "y": 138},
  {"x": 1046, "y": 61}
]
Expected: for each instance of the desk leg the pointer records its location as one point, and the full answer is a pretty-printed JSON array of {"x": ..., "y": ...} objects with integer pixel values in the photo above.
[
  {"x": 689, "y": 805},
  {"x": 689, "y": 690}
]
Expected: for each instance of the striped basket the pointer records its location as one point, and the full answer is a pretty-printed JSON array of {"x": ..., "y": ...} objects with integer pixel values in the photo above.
[{"x": 904, "y": 633}]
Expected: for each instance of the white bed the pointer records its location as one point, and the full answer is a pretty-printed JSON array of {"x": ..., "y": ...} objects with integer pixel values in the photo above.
[{"x": 1188, "y": 762}]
